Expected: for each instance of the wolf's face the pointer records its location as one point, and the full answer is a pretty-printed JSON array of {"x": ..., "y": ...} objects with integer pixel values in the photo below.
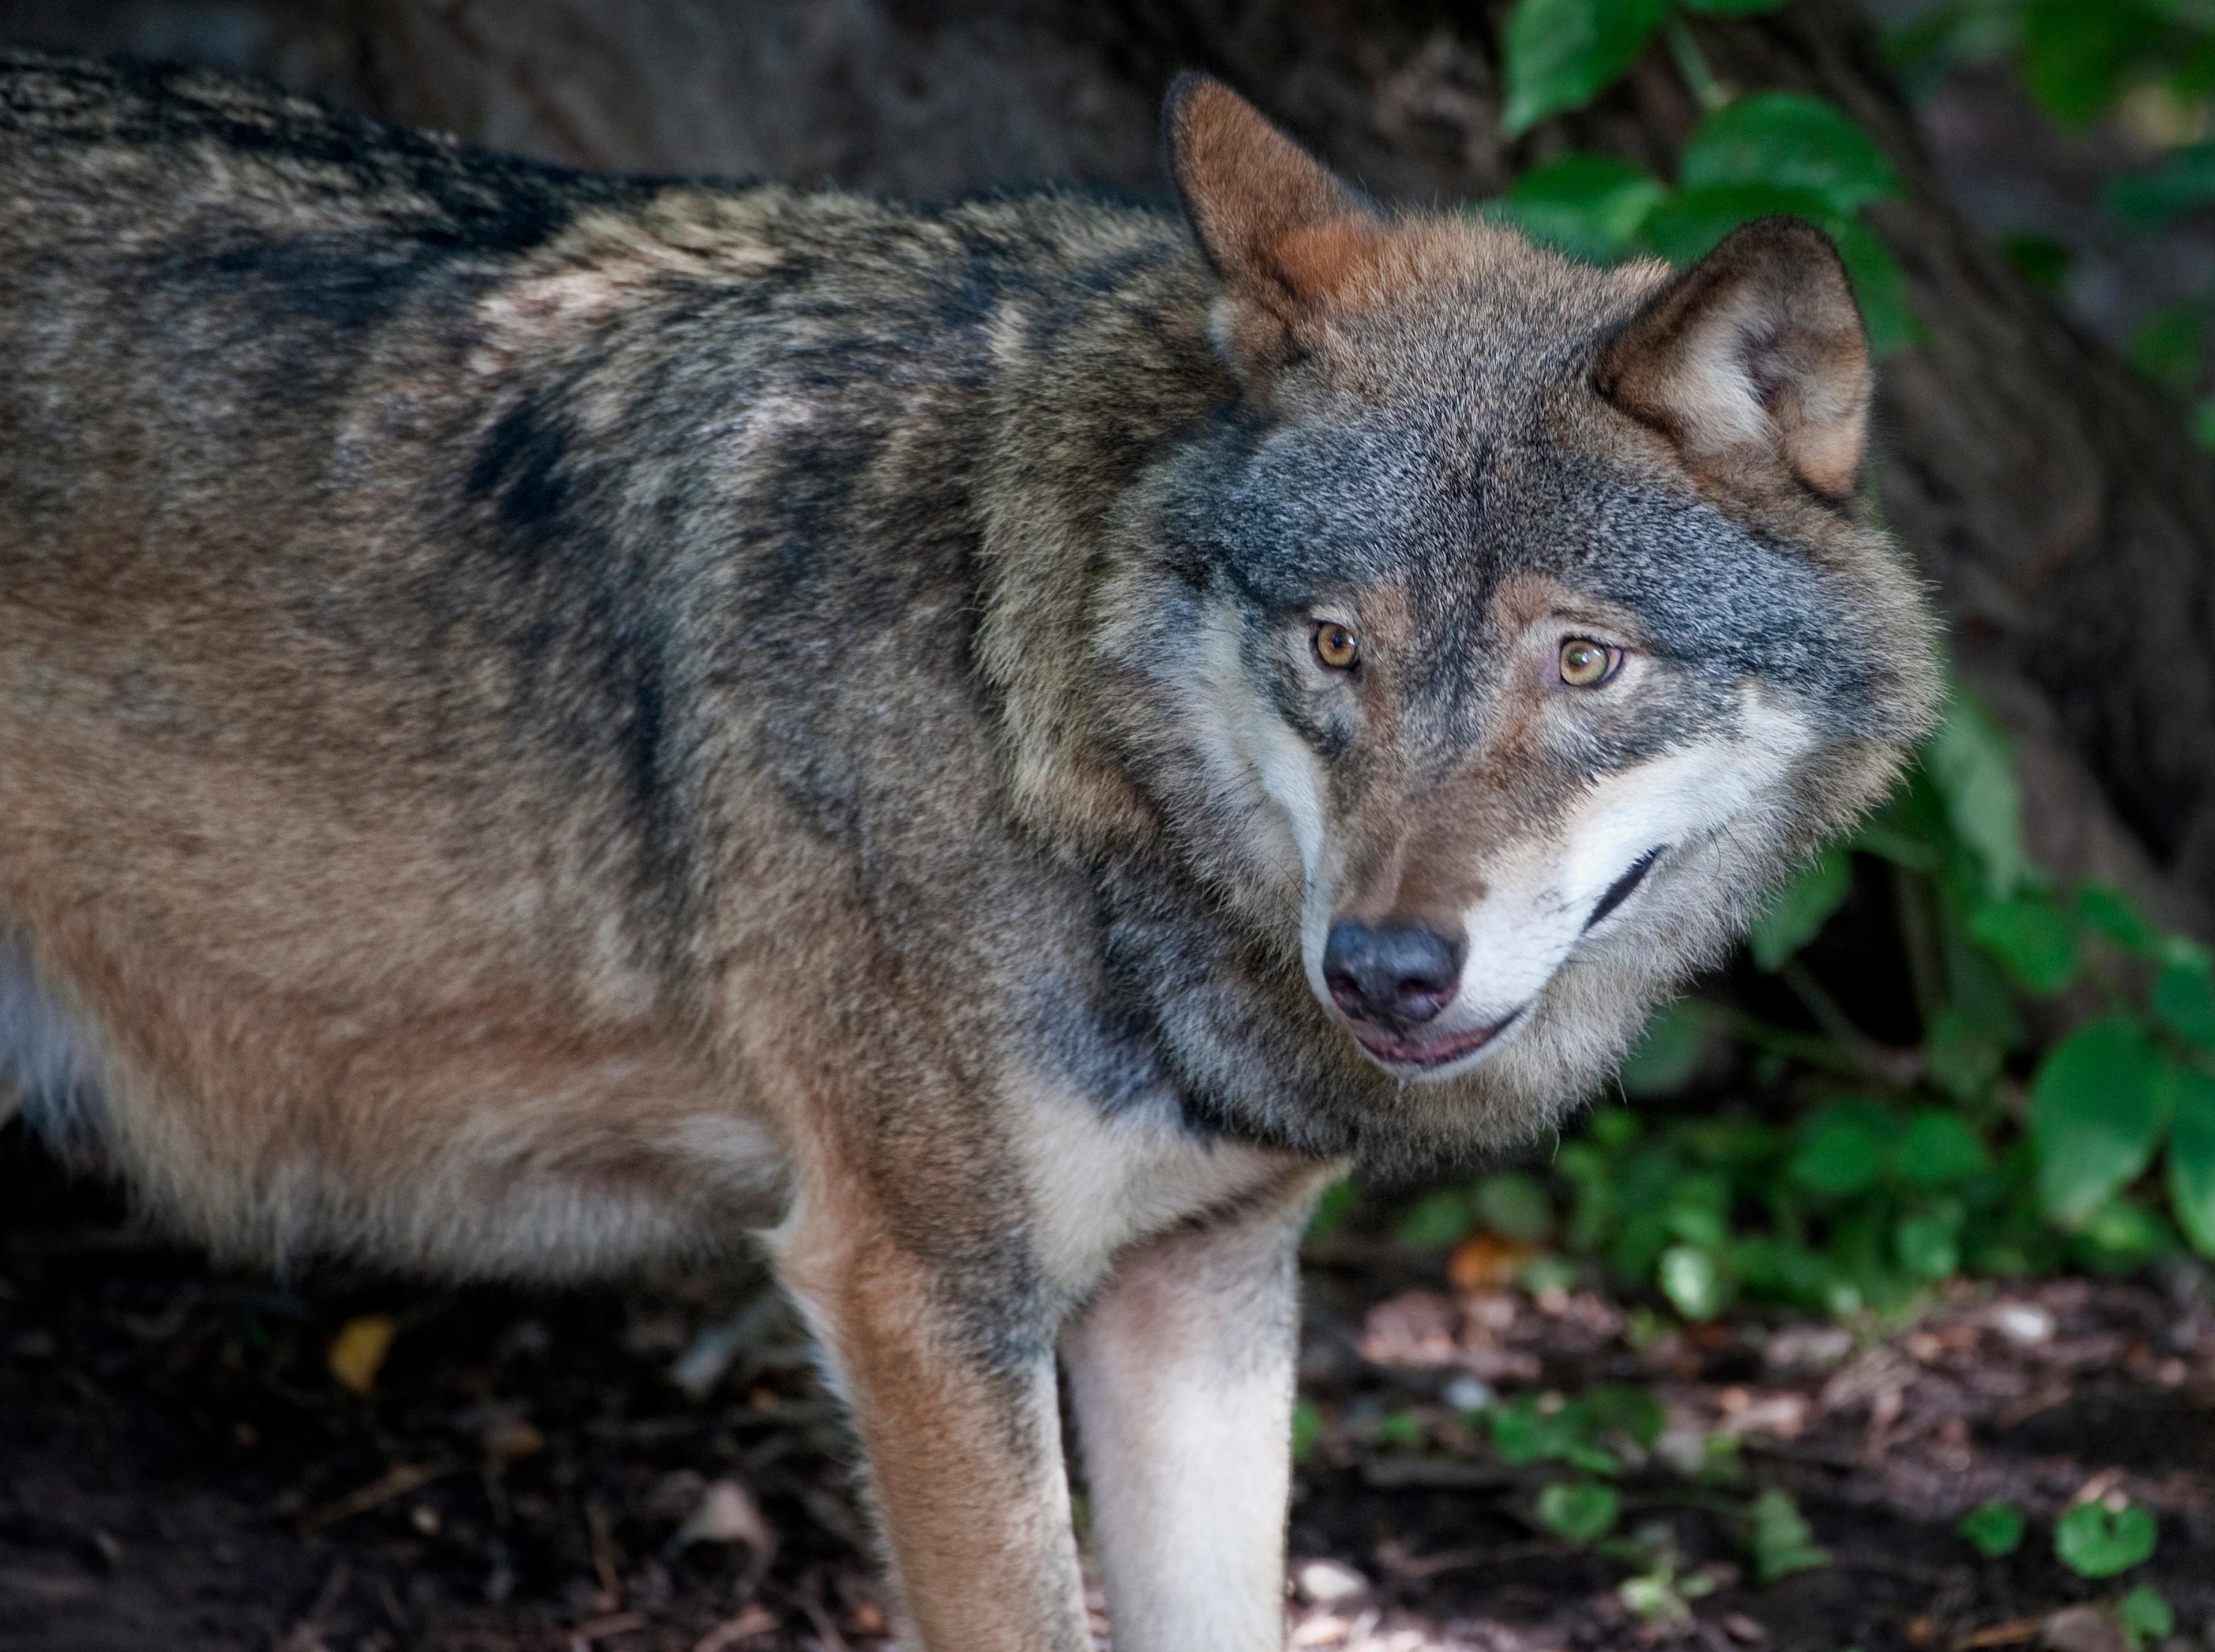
[{"x": 1513, "y": 634}]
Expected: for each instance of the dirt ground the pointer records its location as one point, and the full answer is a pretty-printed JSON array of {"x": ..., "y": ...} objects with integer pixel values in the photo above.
[{"x": 656, "y": 1468}]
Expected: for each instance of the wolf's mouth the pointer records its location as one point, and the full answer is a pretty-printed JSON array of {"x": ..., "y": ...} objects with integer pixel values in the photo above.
[{"x": 1427, "y": 1054}]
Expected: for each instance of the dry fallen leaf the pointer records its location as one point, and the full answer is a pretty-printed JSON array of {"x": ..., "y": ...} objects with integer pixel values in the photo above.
[
  {"x": 1487, "y": 1261},
  {"x": 510, "y": 1440},
  {"x": 357, "y": 1352},
  {"x": 728, "y": 1514},
  {"x": 2083, "y": 1629}
]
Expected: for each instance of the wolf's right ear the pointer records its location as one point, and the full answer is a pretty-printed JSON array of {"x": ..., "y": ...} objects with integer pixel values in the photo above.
[
  {"x": 1289, "y": 239},
  {"x": 1753, "y": 360}
]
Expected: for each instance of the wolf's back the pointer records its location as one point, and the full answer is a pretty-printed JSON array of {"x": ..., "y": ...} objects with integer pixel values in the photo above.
[{"x": 457, "y": 618}]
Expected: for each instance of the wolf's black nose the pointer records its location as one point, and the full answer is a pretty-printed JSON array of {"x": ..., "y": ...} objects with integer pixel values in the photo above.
[{"x": 1396, "y": 973}]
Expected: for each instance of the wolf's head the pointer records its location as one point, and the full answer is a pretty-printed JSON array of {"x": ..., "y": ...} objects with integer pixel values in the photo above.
[{"x": 1504, "y": 640}]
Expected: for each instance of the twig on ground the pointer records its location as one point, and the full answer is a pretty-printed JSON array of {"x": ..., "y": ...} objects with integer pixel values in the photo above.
[
  {"x": 755, "y": 1621},
  {"x": 396, "y": 1482}
]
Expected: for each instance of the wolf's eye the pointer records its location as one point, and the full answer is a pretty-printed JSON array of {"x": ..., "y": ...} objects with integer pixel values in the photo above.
[
  {"x": 1585, "y": 664},
  {"x": 1336, "y": 647}
]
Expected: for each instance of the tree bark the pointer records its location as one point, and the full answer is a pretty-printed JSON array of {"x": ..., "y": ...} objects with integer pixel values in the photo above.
[{"x": 2053, "y": 497}]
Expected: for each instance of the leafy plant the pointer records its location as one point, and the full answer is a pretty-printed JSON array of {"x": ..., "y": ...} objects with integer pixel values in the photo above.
[
  {"x": 1907, "y": 1165},
  {"x": 1581, "y": 1511},
  {"x": 1561, "y": 54},
  {"x": 2145, "y": 1615},
  {"x": 1765, "y": 152},
  {"x": 2094, "y": 1540},
  {"x": 1656, "y": 1593},
  {"x": 1536, "y": 1429},
  {"x": 1780, "y": 1539},
  {"x": 1992, "y": 1529},
  {"x": 1402, "y": 1429}
]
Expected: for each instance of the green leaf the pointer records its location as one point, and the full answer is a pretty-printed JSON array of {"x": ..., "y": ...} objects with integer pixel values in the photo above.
[
  {"x": 2184, "y": 998},
  {"x": 1733, "y": 7},
  {"x": 1307, "y": 1429},
  {"x": 1516, "y": 1205},
  {"x": 1992, "y": 1529},
  {"x": 1738, "y": 1145},
  {"x": 1972, "y": 768},
  {"x": 1435, "y": 1220},
  {"x": 1799, "y": 911},
  {"x": 1619, "y": 1408},
  {"x": 2203, "y": 423},
  {"x": 2183, "y": 949},
  {"x": 1879, "y": 288},
  {"x": 1561, "y": 54},
  {"x": 1926, "y": 1247},
  {"x": 1963, "y": 1054},
  {"x": 1780, "y": 1539},
  {"x": 1400, "y": 1428},
  {"x": 1331, "y": 1210},
  {"x": 2103, "y": 907},
  {"x": 1792, "y": 141},
  {"x": 1543, "y": 1273},
  {"x": 1523, "y": 1431},
  {"x": 2192, "y": 1159},
  {"x": 2169, "y": 345},
  {"x": 2097, "y": 1107},
  {"x": 2094, "y": 1541},
  {"x": 1698, "y": 1209},
  {"x": 2122, "y": 1236},
  {"x": 1723, "y": 1460},
  {"x": 1665, "y": 1058},
  {"x": 2192, "y": 71},
  {"x": 1654, "y": 1598},
  {"x": 1840, "y": 1153},
  {"x": 1586, "y": 205},
  {"x": 1783, "y": 1271},
  {"x": 2076, "y": 54},
  {"x": 1616, "y": 1126},
  {"x": 1685, "y": 227},
  {"x": 1692, "y": 1281},
  {"x": 2032, "y": 938},
  {"x": 2145, "y": 1615},
  {"x": 2039, "y": 260},
  {"x": 2184, "y": 182},
  {"x": 1578, "y": 1511},
  {"x": 1900, "y": 833},
  {"x": 1938, "y": 1150}
]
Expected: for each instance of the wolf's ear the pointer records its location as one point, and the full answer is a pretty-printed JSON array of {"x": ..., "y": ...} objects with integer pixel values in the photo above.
[
  {"x": 1286, "y": 236},
  {"x": 1755, "y": 356}
]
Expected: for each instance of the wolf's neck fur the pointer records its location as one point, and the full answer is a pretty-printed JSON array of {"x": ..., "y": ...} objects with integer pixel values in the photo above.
[{"x": 1093, "y": 397}]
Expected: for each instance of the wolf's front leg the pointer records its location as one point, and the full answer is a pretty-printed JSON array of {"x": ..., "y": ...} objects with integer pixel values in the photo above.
[
  {"x": 954, "y": 1399},
  {"x": 1181, "y": 1369}
]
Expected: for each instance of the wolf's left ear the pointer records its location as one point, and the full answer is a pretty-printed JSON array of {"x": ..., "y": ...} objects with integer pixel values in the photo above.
[
  {"x": 1754, "y": 357},
  {"x": 1285, "y": 235}
]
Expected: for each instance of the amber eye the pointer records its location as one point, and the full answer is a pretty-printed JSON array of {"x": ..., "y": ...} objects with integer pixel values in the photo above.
[
  {"x": 1336, "y": 647},
  {"x": 1586, "y": 663}
]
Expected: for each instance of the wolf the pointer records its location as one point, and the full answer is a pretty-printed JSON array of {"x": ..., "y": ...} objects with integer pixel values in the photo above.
[{"x": 555, "y": 724}]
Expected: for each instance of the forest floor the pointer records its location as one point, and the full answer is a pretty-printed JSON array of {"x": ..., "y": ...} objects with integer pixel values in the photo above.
[{"x": 657, "y": 1468}]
